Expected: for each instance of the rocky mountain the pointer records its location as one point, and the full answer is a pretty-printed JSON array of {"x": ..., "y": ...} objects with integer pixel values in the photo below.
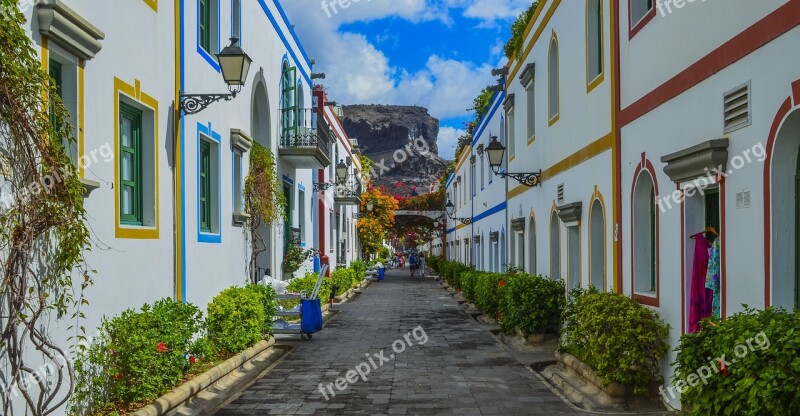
[{"x": 402, "y": 142}]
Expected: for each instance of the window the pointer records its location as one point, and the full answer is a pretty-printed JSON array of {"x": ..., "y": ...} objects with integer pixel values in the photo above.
[
  {"x": 136, "y": 152},
  {"x": 208, "y": 25},
  {"x": 640, "y": 10},
  {"x": 472, "y": 178},
  {"x": 236, "y": 19},
  {"x": 574, "y": 254},
  {"x": 532, "y": 246},
  {"x": 238, "y": 183},
  {"x": 531, "y": 110},
  {"x": 64, "y": 74},
  {"x": 555, "y": 246},
  {"x": 301, "y": 203},
  {"x": 552, "y": 81},
  {"x": 510, "y": 134},
  {"x": 205, "y": 187},
  {"x": 594, "y": 39},
  {"x": 482, "y": 167},
  {"x": 301, "y": 112},
  {"x": 288, "y": 100},
  {"x": 644, "y": 236},
  {"x": 597, "y": 246},
  {"x": 519, "y": 256},
  {"x": 130, "y": 140},
  {"x": 208, "y": 194}
]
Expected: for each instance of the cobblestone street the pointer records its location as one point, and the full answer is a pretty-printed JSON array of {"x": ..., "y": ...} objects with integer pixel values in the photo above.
[{"x": 461, "y": 369}]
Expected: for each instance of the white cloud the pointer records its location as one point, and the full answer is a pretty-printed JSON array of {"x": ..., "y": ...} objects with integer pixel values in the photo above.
[
  {"x": 357, "y": 72},
  {"x": 448, "y": 140}
]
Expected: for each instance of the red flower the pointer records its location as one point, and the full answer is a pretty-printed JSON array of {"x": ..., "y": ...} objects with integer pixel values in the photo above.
[
  {"x": 502, "y": 283},
  {"x": 723, "y": 368},
  {"x": 193, "y": 359},
  {"x": 118, "y": 376},
  {"x": 499, "y": 315},
  {"x": 162, "y": 347}
]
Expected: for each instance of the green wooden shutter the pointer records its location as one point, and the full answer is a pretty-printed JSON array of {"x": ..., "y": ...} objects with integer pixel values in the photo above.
[
  {"x": 205, "y": 187},
  {"x": 289, "y": 103},
  {"x": 130, "y": 131},
  {"x": 204, "y": 24}
]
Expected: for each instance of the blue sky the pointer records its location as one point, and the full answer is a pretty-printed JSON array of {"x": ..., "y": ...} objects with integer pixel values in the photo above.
[{"x": 433, "y": 53}]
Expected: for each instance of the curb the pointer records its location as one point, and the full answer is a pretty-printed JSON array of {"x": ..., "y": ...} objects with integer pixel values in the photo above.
[{"x": 186, "y": 391}]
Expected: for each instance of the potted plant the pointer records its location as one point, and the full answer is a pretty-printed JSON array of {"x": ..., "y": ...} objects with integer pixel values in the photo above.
[{"x": 294, "y": 256}]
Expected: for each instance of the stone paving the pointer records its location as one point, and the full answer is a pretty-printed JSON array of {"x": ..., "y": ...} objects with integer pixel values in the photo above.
[{"x": 461, "y": 369}]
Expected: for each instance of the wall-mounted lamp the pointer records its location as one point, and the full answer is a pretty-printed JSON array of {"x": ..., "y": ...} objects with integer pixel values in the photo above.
[
  {"x": 234, "y": 64},
  {"x": 496, "y": 151},
  {"x": 450, "y": 208}
]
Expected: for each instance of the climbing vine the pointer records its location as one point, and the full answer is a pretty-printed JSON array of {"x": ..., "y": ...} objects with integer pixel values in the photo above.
[
  {"x": 43, "y": 233},
  {"x": 263, "y": 197}
]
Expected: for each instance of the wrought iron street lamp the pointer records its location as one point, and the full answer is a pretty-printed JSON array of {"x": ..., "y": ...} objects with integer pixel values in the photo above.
[
  {"x": 496, "y": 153},
  {"x": 234, "y": 64},
  {"x": 341, "y": 177},
  {"x": 370, "y": 207},
  {"x": 450, "y": 208}
]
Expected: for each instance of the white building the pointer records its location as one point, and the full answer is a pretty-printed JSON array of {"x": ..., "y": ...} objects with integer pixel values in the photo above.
[{"x": 164, "y": 184}]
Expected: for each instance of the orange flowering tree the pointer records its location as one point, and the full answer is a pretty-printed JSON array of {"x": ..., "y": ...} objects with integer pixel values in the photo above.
[{"x": 375, "y": 225}]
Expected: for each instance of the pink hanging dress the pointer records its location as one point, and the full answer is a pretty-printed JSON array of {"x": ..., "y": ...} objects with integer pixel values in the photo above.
[{"x": 700, "y": 298}]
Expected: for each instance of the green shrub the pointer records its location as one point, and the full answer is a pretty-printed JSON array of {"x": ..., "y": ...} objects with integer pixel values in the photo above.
[
  {"x": 305, "y": 285},
  {"x": 765, "y": 376},
  {"x": 270, "y": 306},
  {"x": 147, "y": 349},
  {"x": 489, "y": 293},
  {"x": 622, "y": 340},
  {"x": 451, "y": 271},
  {"x": 360, "y": 270},
  {"x": 534, "y": 304},
  {"x": 343, "y": 278},
  {"x": 469, "y": 282},
  {"x": 236, "y": 319}
]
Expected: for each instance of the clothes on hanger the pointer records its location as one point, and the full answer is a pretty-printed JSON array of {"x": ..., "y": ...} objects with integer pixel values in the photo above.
[
  {"x": 700, "y": 298},
  {"x": 712, "y": 277}
]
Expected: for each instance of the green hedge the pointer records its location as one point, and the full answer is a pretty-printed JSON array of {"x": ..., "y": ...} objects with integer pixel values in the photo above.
[
  {"x": 490, "y": 294},
  {"x": 622, "y": 340},
  {"x": 763, "y": 370},
  {"x": 360, "y": 269},
  {"x": 344, "y": 278},
  {"x": 142, "y": 356},
  {"x": 534, "y": 304},
  {"x": 451, "y": 271},
  {"x": 236, "y": 319},
  {"x": 305, "y": 285}
]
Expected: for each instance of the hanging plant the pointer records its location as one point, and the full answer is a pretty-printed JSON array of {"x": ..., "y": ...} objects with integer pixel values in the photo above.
[
  {"x": 264, "y": 199},
  {"x": 43, "y": 233}
]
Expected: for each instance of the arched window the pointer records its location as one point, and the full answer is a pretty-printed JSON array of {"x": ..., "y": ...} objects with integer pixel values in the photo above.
[
  {"x": 555, "y": 246},
  {"x": 532, "y": 245},
  {"x": 597, "y": 246},
  {"x": 594, "y": 39},
  {"x": 552, "y": 81},
  {"x": 645, "y": 227}
]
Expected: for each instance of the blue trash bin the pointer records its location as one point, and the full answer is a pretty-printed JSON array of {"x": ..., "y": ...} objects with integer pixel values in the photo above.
[{"x": 381, "y": 272}]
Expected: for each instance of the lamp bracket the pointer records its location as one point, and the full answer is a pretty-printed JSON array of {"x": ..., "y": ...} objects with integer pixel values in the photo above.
[
  {"x": 195, "y": 103},
  {"x": 322, "y": 186},
  {"x": 528, "y": 179}
]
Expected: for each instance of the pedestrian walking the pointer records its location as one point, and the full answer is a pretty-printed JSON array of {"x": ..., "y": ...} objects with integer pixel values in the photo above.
[
  {"x": 413, "y": 263},
  {"x": 422, "y": 264}
]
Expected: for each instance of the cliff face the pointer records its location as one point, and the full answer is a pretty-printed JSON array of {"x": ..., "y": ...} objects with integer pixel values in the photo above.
[{"x": 402, "y": 142}]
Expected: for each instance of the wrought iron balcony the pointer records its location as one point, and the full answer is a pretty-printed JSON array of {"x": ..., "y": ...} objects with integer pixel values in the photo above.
[
  {"x": 348, "y": 193},
  {"x": 306, "y": 143}
]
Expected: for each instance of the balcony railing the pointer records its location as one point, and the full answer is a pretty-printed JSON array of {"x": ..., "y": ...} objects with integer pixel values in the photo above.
[
  {"x": 306, "y": 142},
  {"x": 348, "y": 193}
]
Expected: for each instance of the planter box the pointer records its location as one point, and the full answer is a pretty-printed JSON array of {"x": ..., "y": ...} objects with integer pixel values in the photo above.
[
  {"x": 615, "y": 391},
  {"x": 536, "y": 339}
]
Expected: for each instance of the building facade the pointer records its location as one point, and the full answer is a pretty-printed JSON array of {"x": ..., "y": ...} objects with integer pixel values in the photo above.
[
  {"x": 653, "y": 134},
  {"x": 164, "y": 184}
]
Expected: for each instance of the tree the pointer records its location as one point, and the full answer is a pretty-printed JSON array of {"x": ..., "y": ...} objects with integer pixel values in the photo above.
[
  {"x": 513, "y": 47},
  {"x": 264, "y": 199},
  {"x": 43, "y": 231},
  {"x": 374, "y": 226}
]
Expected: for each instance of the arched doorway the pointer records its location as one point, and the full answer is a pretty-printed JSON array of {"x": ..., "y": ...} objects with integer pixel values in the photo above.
[
  {"x": 597, "y": 247},
  {"x": 263, "y": 263},
  {"x": 785, "y": 214}
]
